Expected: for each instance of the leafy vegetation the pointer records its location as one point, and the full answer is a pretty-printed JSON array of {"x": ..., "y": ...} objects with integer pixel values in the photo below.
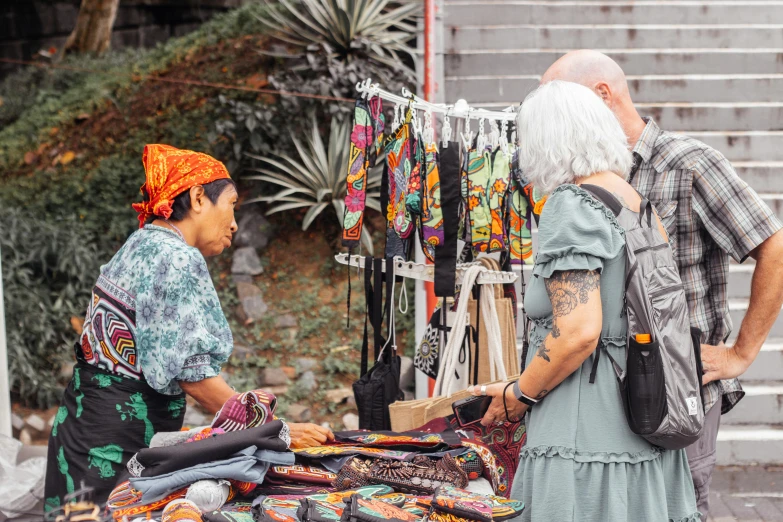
[
  {"x": 70, "y": 145},
  {"x": 348, "y": 30},
  {"x": 316, "y": 180},
  {"x": 48, "y": 271}
]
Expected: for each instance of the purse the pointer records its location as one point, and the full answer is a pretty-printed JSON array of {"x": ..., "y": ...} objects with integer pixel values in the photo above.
[
  {"x": 377, "y": 388},
  {"x": 422, "y": 476},
  {"x": 355, "y": 473}
]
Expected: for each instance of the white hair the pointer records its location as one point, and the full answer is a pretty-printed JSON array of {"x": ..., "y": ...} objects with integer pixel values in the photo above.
[{"x": 567, "y": 132}]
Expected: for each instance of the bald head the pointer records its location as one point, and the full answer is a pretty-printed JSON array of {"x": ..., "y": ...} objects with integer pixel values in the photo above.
[
  {"x": 588, "y": 68},
  {"x": 605, "y": 78}
]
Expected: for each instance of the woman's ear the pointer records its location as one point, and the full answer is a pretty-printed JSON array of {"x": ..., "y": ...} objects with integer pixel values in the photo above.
[{"x": 197, "y": 199}]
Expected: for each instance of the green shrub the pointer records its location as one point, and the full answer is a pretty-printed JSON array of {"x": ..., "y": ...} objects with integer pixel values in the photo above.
[{"x": 48, "y": 272}]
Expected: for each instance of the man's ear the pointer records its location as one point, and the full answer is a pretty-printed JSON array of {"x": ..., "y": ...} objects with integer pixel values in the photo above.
[
  {"x": 604, "y": 92},
  {"x": 197, "y": 197}
]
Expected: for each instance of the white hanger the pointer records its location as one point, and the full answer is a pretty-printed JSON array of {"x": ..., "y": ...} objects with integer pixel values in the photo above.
[
  {"x": 446, "y": 130},
  {"x": 467, "y": 136},
  {"x": 429, "y": 132},
  {"x": 481, "y": 141}
]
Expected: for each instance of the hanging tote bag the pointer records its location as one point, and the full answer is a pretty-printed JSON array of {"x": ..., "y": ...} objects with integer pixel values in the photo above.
[
  {"x": 379, "y": 387},
  {"x": 493, "y": 296}
]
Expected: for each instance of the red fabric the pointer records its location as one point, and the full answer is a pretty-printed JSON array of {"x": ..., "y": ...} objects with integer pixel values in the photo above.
[{"x": 170, "y": 172}]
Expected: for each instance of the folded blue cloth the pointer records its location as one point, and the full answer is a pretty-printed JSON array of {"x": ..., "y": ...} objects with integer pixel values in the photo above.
[{"x": 248, "y": 465}]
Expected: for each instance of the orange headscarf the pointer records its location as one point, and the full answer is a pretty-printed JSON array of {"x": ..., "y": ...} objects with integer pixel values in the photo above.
[{"x": 170, "y": 172}]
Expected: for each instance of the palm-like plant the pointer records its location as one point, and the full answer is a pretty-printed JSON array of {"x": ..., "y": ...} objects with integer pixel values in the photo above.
[
  {"x": 379, "y": 29},
  {"x": 317, "y": 178}
]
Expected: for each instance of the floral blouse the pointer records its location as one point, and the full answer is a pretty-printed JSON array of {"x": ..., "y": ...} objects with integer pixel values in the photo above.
[{"x": 155, "y": 314}]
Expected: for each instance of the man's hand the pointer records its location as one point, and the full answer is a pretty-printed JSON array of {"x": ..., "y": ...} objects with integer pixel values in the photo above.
[
  {"x": 721, "y": 362},
  {"x": 309, "y": 435}
]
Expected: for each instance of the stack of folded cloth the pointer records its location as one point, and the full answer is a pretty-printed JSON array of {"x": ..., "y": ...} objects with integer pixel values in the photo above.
[{"x": 240, "y": 469}]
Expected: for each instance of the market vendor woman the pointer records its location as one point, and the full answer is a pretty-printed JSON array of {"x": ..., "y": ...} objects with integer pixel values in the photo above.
[{"x": 154, "y": 329}]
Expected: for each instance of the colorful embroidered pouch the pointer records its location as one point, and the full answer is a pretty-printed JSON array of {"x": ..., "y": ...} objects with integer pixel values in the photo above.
[
  {"x": 464, "y": 504},
  {"x": 358, "y": 509},
  {"x": 366, "y": 139},
  {"x": 432, "y": 231},
  {"x": 312, "y": 510},
  {"x": 302, "y": 474}
]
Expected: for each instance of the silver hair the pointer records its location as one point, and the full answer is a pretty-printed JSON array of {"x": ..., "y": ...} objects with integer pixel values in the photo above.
[{"x": 566, "y": 132}]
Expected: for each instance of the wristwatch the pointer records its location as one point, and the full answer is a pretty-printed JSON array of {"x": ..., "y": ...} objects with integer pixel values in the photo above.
[{"x": 521, "y": 397}]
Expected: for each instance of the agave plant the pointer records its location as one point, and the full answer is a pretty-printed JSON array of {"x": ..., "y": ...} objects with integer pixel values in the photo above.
[
  {"x": 378, "y": 29},
  {"x": 317, "y": 178}
]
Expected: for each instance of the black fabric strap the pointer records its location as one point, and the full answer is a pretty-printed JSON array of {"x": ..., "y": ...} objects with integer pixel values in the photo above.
[
  {"x": 594, "y": 369},
  {"x": 450, "y": 198},
  {"x": 377, "y": 306},
  {"x": 391, "y": 334},
  {"x": 368, "y": 298},
  {"x": 605, "y": 197},
  {"x": 477, "y": 333}
]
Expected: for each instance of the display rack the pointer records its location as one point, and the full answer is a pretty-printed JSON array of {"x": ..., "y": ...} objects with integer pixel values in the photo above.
[
  {"x": 426, "y": 272},
  {"x": 461, "y": 109}
]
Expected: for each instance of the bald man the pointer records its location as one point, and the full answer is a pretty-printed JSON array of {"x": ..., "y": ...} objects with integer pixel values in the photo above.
[{"x": 710, "y": 214}]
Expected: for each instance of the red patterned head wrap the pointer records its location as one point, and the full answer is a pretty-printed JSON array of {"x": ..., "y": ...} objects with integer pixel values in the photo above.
[{"x": 170, "y": 172}]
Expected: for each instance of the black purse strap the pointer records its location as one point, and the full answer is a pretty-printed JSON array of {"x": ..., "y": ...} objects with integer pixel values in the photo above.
[
  {"x": 368, "y": 299},
  {"x": 377, "y": 306}
]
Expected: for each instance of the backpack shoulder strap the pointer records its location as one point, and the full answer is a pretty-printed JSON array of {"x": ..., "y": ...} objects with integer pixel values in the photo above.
[{"x": 605, "y": 197}]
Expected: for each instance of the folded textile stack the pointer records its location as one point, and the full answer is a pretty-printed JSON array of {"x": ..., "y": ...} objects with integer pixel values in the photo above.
[{"x": 241, "y": 470}]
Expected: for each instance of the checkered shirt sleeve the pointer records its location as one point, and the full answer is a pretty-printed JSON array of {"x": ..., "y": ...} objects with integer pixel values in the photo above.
[{"x": 733, "y": 213}]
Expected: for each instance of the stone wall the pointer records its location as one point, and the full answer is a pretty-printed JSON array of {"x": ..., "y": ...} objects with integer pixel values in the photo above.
[{"x": 27, "y": 26}]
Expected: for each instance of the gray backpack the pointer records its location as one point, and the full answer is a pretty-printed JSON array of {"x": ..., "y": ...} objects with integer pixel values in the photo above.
[{"x": 661, "y": 385}]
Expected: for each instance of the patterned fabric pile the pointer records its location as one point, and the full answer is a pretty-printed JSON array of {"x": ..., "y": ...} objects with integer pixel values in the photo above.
[{"x": 240, "y": 469}]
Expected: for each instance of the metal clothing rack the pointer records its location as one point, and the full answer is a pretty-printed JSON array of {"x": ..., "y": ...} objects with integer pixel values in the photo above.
[
  {"x": 461, "y": 109},
  {"x": 426, "y": 272}
]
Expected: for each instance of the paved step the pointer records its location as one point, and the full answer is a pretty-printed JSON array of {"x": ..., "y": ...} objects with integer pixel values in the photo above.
[
  {"x": 726, "y": 116},
  {"x": 737, "y": 310},
  {"x": 490, "y": 12},
  {"x": 496, "y": 36},
  {"x": 744, "y": 145},
  {"x": 762, "y": 404},
  {"x": 744, "y": 445},
  {"x": 633, "y": 61},
  {"x": 763, "y": 176},
  {"x": 768, "y": 365},
  {"x": 644, "y": 89}
]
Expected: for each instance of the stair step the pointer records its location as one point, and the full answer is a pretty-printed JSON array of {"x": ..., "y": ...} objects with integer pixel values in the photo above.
[
  {"x": 647, "y": 88},
  {"x": 737, "y": 310},
  {"x": 727, "y": 116},
  {"x": 475, "y": 37},
  {"x": 633, "y": 61},
  {"x": 746, "y": 445},
  {"x": 763, "y": 176},
  {"x": 762, "y": 404},
  {"x": 489, "y": 12},
  {"x": 768, "y": 365}
]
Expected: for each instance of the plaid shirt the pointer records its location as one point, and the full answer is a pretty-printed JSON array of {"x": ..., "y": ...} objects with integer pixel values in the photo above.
[{"x": 710, "y": 214}]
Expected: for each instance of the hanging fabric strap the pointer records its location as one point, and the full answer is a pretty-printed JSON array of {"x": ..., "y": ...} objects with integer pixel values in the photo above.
[
  {"x": 377, "y": 306},
  {"x": 450, "y": 197},
  {"x": 368, "y": 299}
]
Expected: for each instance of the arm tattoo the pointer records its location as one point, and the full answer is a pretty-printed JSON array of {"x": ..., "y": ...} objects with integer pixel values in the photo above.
[
  {"x": 543, "y": 351},
  {"x": 567, "y": 290},
  {"x": 541, "y": 395}
]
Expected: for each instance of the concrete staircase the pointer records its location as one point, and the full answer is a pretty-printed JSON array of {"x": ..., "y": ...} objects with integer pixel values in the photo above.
[{"x": 712, "y": 69}]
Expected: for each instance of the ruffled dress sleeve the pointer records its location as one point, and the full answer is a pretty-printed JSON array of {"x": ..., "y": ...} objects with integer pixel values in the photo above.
[
  {"x": 182, "y": 332},
  {"x": 576, "y": 232}
]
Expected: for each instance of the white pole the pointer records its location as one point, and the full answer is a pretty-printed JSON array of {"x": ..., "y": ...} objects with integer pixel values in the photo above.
[{"x": 5, "y": 383}]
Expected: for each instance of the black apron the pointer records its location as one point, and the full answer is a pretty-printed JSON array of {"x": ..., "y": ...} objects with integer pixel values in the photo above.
[{"x": 104, "y": 419}]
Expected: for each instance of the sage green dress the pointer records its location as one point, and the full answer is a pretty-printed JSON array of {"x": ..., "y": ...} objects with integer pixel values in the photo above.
[{"x": 581, "y": 461}]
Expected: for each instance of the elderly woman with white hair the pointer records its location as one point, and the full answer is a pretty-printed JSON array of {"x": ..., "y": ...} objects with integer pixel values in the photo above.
[{"x": 581, "y": 462}]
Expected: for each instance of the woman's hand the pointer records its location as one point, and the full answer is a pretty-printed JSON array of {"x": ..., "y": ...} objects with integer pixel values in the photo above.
[
  {"x": 309, "y": 435},
  {"x": 496, "y": 413}
]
